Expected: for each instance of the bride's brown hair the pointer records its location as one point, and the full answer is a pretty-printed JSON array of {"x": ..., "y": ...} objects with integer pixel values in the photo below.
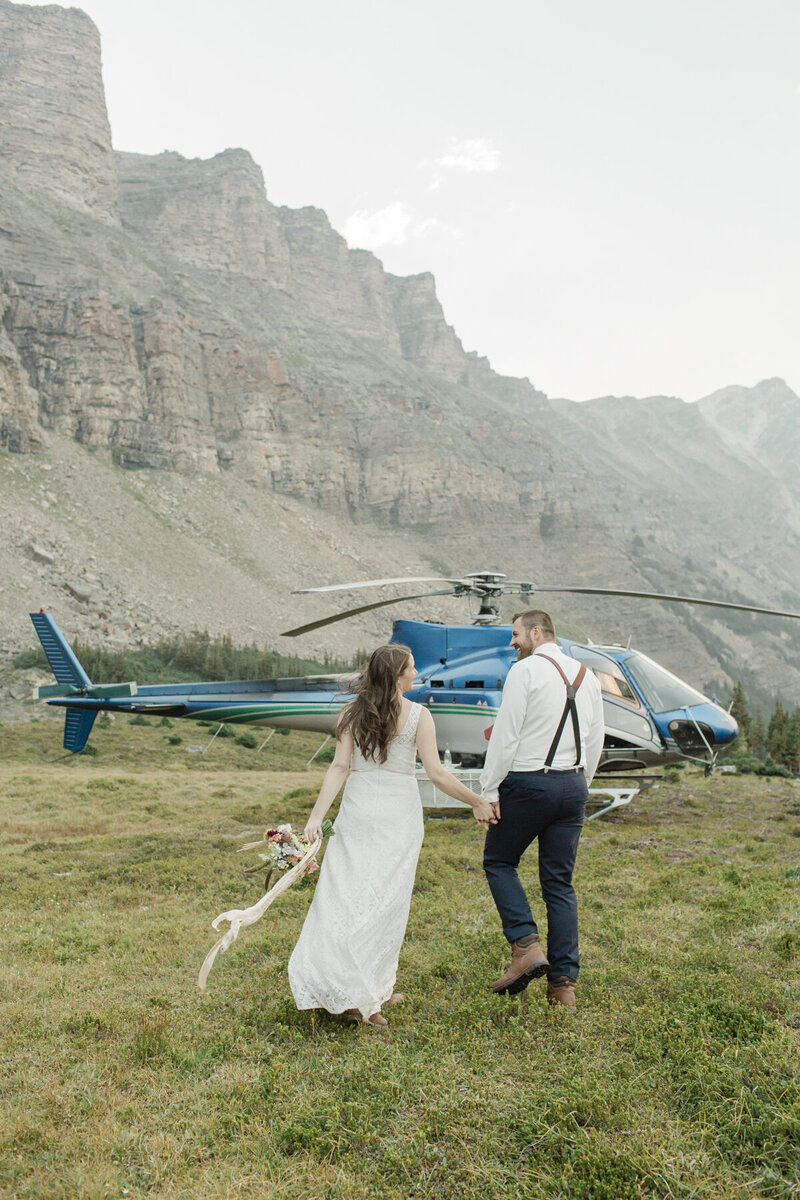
[{"x": 373, "y": 716}]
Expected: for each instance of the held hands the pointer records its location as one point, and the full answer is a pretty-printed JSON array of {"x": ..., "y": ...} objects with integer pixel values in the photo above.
[{"x": 485, "y": 814}]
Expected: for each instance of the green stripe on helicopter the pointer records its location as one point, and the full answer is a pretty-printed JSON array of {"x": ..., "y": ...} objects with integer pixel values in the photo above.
[
  {"x": 230, "y": 712},
  {"x": 267, "y": 710}
]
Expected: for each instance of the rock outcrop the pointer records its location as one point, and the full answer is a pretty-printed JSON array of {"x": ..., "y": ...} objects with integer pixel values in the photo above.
[
  {"x": 54, "y": 128},
  {"x": 19, "y": 410}
]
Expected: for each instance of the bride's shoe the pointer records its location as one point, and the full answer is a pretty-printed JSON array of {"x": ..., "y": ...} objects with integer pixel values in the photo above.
[{"x": 396, "y": 998}]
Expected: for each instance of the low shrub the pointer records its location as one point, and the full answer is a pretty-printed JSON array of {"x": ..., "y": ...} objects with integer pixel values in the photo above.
[{"x": 770, "y": 767}]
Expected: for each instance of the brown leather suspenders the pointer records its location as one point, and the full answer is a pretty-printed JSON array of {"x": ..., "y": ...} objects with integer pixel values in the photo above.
[{"x": 569, "y": 707}]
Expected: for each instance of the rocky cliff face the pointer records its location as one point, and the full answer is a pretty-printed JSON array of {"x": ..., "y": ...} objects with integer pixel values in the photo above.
[
  {"x": 19, "y": 414},
  {"x": 212, "y": 215},
  {"x": 218, "y": 332},
  {"x": 163, "y": 315},
  {"x": 53, "y": 123}
]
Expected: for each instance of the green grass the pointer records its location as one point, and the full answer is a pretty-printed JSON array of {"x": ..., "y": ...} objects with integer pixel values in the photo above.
[{"x": 678, "y": 1078}]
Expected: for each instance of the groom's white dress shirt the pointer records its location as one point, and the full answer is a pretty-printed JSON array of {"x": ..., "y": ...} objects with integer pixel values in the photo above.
[{"x": 534, "y": 696}]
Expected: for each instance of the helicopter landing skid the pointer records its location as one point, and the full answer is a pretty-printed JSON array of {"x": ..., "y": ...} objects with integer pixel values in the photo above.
[
  {"x": 618, "y": 797},
  {"x": 607, "y": 798}
]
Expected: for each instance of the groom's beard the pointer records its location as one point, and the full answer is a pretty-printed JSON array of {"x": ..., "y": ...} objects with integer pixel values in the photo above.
[{"x": 522, "y": 653}]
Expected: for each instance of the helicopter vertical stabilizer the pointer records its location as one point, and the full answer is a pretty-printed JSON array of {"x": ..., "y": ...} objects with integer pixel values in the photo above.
[
  {"x": 63, "y": 662},
  {"x": 71, "y": 677},
  {"x": 77, "y": 727}
]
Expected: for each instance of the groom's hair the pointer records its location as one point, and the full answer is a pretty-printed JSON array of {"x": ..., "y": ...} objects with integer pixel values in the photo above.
[{"x": 536, "y": 616}]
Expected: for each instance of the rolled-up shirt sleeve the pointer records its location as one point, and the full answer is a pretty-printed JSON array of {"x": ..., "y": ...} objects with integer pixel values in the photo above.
[
  {"x": 595, "y": 735},
  {"x": 506, "y": 732}
]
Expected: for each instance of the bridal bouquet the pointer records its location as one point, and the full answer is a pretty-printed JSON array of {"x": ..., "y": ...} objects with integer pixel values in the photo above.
[{"x": 286, "y": 851}]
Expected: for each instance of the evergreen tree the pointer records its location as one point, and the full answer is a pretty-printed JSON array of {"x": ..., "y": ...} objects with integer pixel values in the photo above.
[
  {"x": 738, "y": 710},
  {"x": 776, "y": 734},
  {"x": 757, "y": 736},
  {"x": 792, "y": 759},
  {"x": 213, "y": 662}
]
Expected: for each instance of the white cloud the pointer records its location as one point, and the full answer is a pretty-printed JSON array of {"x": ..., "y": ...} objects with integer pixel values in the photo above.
[
  {"x": 391, "y": 226},
  {"x": 471, "y": 154}
]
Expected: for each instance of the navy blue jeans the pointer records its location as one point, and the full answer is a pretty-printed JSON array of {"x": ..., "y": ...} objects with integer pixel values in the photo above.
[{"x": 550, "y": 806}]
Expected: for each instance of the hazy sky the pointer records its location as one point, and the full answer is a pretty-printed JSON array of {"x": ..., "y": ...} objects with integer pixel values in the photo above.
[{"x": 607, "y": 191}]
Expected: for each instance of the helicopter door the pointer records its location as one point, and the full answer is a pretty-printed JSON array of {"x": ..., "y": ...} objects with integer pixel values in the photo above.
[{"x": 624, "y": 715}]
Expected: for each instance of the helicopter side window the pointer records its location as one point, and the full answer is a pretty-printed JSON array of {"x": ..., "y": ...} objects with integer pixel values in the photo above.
[
  {"x": 612, "y": 682},
  {"x": 619, "y": 689}
]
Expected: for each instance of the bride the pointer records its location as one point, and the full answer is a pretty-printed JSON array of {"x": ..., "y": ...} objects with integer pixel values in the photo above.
[{"x": 345, "y": 960}]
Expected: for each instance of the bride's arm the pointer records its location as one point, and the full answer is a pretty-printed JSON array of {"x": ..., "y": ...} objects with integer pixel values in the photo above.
[
  {"x": 335, "y": 776},
  {"x": 439, "y": 777}
]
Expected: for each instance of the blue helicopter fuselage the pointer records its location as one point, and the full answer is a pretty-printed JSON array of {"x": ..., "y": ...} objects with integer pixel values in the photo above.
[{"x": 651, "y": 716}]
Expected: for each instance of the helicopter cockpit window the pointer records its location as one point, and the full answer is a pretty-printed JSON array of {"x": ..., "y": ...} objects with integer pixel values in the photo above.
[
  {"x": 612, "y": 682},
  {"x": 662, "y": 690}
]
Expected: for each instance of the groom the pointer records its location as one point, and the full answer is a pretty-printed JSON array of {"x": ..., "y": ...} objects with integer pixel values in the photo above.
[{"x": 542, "y": 755}]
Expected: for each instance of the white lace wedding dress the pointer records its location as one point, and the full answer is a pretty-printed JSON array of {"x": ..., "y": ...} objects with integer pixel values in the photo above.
[{"x": 346, "y": 956}]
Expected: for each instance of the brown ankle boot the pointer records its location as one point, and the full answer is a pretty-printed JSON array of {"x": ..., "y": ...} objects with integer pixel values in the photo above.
[
  {"x": 528, "y": 962},
  {"x": 561, "y": 991}
]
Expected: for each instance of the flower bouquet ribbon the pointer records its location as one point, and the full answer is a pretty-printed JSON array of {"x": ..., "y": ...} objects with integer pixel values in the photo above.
[{"x": 285, "y": 847}]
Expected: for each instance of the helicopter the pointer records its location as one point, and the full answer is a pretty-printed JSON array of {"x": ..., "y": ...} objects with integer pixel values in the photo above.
[{"x": 652, "y": 717}]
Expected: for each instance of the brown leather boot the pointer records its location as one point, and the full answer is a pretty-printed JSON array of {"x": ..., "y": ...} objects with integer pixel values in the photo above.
[
  {"x": 562, "y": 991},
  {"x": 528, "y": 961}
]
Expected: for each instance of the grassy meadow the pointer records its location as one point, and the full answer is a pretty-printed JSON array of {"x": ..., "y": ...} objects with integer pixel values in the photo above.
[{"x": 678, "y": 1078}]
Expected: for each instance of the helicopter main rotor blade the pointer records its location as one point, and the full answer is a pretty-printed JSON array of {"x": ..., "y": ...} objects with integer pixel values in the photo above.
[
  {"x": 352, "y": 612},
  {"x": 349, "y": 587},
  {"x": 590, "y": 591}
]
